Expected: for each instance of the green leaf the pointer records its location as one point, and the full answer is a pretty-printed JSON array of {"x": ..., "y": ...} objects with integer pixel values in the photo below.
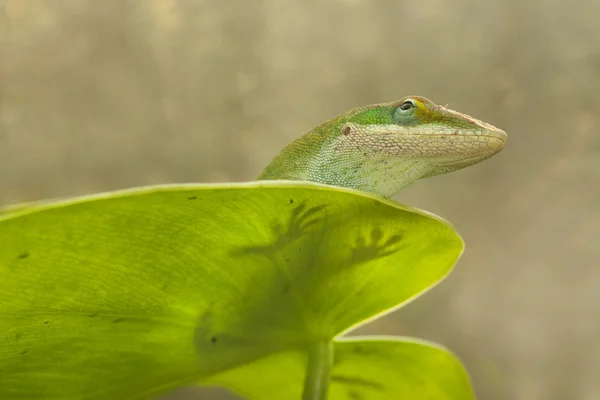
[
  {"x": 364, "y": 369},
  {"x": 128, "y": 294}
]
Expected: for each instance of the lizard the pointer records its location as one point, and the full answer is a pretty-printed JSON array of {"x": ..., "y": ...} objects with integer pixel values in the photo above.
[{"x": 383, "y": 148}]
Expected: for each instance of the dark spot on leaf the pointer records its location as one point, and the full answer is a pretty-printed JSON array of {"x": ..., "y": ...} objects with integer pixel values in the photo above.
[
  {"x": 363, "y": 350},
  {"x": 338, "y": 359},
  {"x": 352, "y": 395},
  {"x": 24, "y": 352},
  {"x": 18, "y": 336},
  {"x": 117, "y": 320},
  {"x": 163, "y": 287},
  {"x": 23, "y": 255},
  {"x": 92, "y": 315},
  {"x": 46, "y": 322},
  {"x": 192, "y": 198},
  {"x": 213, "y": 339},
  {"x": 357, "y": 381},
  {"x": 346, "y": 130},
  {"x": 291, "y": 201}
]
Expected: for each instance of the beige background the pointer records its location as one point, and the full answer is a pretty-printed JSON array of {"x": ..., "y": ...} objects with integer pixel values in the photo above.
[{"x": 101, "y": 95}]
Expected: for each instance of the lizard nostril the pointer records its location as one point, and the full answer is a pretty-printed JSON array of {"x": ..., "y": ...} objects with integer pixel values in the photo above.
[{"x": 346, "y": 130}]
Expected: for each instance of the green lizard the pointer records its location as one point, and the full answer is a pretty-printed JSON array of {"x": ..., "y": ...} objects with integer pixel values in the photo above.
[{"x": 383, "y": 148}]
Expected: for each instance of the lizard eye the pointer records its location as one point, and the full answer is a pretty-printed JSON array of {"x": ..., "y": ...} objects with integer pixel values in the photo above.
[
  {"x": 405, "y": 112},
  {"x": 407, "y": 105}
]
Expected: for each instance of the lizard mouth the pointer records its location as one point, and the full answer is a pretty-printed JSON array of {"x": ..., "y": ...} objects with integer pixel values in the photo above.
[
  {"x": 497, "y": 139},
  {"x": 408, "y": 141}
]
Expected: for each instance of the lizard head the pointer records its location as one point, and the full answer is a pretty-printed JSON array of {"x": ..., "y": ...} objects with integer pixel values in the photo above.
[
  {"x": 413, "y": 138},
  {"x": 383, "y": 148},
  {"x": 415, "y": 127}
]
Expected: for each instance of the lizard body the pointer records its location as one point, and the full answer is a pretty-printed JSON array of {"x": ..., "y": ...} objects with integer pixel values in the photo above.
[{"x": 383, "y": 148}]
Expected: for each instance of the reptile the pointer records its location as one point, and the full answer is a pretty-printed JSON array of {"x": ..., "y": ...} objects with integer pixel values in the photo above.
[{"x": 382, "y": 148}]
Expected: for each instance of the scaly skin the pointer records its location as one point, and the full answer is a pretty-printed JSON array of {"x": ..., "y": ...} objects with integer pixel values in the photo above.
[{"x": 383, "y": 148}]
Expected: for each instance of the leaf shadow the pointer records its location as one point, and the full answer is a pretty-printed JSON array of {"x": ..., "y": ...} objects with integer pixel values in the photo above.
[
  {"x": 376, "y": 246},
  {"x": 295, "y": 237},
  {"x": 300, "y": 221}
]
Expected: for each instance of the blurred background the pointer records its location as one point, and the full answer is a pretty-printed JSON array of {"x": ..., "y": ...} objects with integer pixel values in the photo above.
[{"x": 103, "y": 95}]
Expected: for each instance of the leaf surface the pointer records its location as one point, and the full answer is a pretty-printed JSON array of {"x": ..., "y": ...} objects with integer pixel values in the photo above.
[{"x": 128, "y": 294}]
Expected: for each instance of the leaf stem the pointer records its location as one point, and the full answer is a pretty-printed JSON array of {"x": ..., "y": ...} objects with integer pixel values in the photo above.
[{"x": 318, "y": 367}]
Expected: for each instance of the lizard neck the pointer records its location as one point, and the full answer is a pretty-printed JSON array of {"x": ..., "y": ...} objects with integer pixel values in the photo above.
[
  {"x": 331, "y": 156},
  {"x": 303, "y": 158}
]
